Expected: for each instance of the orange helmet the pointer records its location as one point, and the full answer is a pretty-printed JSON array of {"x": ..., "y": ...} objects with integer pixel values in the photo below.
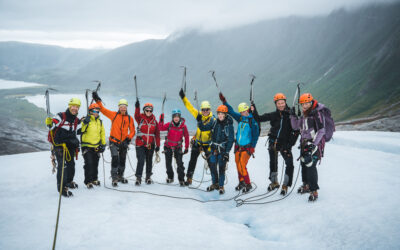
[
  {"x": 148, "y": 105},
  {"x": 304, "y": 98},
  {"x": 222, "y": 108},
  {"x": 279, "y": 96},
  {"x": 94, "y": 106}
]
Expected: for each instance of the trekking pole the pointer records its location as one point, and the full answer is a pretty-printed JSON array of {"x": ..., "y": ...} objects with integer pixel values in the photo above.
[
  {"x": 184, "y": 79},
  {"x": 215, "y": 80},
  {"x": 252, "y": 89},
  {"x": 163, "y": 102},
  {"x": 137, "y": 96}
]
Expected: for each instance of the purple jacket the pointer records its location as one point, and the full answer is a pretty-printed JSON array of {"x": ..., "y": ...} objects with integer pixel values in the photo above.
[{"x": 311, "y": 127}]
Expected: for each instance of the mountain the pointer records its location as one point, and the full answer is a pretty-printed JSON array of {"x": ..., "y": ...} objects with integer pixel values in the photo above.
[
  {"x": 41, "y": 63},
  {"x": 349, "y": 61}
]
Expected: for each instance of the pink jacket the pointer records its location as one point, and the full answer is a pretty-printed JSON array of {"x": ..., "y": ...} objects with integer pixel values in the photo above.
[{"x": 175, "y": 133}]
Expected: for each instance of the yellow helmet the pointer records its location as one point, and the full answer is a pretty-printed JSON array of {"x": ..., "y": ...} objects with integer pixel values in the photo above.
[
  {"x": 74, "y": 101},
  {"x": 243, "y": 107},
  {"x": 205, "y": 105},
  {"x": 123, "y": 102}
]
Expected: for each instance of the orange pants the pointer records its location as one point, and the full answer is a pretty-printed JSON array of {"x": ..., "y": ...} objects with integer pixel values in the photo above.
[{"x": 241, "y": 159}]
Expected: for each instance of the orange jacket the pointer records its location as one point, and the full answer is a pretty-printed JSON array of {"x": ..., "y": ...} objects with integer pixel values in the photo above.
[{"x": 119, "y": 124}]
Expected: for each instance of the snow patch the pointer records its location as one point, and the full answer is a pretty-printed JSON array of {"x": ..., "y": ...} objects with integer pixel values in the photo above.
[{"x": 7, "y": 84}]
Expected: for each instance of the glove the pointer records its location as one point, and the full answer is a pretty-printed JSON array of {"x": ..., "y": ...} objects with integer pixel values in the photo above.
[
  {"x": 186, "y": 151},
  {"x": 96, "y": 96},
  {"x": 181, "y": 94},
  {"x": 157, "y": 149},
  {"x": 162, "y": 117},
  {"x": 137, "y": 104},
  {"x": 198, "y": 118},
  {"x": 251, "y": 151},
  {"x": 222, "y": 97},
  {"x": 86, "y": 120},
  {"x": 293, "y": 111},
  {"x": 101, "y": 148},
  {"x": 74, "y": 142},
  {"x": 126, "y": 142},
  {"x": 49, "y": 122},
  {"x": 226, "y": 157}
]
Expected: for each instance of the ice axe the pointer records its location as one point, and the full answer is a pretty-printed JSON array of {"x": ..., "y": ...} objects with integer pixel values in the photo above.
[
  {"x": 252, "y": 89},
  {"x": 184, "y": 79},
  {"x": 137, "y": 96},
  {"x": 196, "y": 100},
  {"x": 163, "y": 102},
  {"x": 297, "y": 97},
  {"x": 215, "y": 80},
  {"x": 47, "y": 97}
]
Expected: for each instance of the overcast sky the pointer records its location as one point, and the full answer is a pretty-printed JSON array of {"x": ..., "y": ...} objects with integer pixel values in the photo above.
[{"x": 109, "y": 24}]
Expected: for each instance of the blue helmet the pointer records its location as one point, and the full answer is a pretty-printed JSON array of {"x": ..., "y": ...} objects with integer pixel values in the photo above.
[{"x": 176, "y": 112}]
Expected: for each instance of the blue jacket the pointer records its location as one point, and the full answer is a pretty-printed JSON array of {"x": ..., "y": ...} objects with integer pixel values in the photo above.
[
  {"x": 247, "y": 133},
  {"x": 222, "y": 133}
]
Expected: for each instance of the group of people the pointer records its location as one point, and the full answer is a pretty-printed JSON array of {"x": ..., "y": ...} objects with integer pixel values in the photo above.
[{"x": 213, "y": 140}]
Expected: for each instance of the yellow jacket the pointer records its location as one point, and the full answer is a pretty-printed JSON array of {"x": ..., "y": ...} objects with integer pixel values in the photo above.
[
  {"x": 93, "y": 133},
  {"x": 202, "y": 137}
]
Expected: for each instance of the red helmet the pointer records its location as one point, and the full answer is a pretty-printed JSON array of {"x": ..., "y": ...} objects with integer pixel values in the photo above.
[
  {"x": 279, "y": 96},
  {"x": 94, "y": 106},
  {"x": 304, "y": 98},
  {"x": 222, "y": 108},
  {"x": 148, "y": 105}
]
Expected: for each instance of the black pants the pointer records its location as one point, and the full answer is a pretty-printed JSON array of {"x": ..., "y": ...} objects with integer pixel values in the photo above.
[
  {"x": 118, "y": 159},
  {"x": 273, "y": 163},
  {"x": 177, "y": 153},
  {"x": 193, "y": 158},
  {"x": 143, "y": 155},
  {"x": 69, "y": 166},
  {"x": 309, "y": 175},
  {"x": 91, "y": 157},
  {"x": 217, "y": 175}
]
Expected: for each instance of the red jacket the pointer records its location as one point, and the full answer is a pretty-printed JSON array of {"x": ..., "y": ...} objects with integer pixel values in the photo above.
[
  {"x": 147, "y": 130},
  {"x": 175, "y": 133}
]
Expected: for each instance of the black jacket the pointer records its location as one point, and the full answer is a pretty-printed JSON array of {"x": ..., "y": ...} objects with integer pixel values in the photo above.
[
  {"x": 281, "y": 129},
  {"x": 222, "y": 133},
  {"x": 67, "y": 132}
]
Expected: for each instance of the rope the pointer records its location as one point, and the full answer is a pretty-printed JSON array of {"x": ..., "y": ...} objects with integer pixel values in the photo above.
[
  {"x": 59, "y": 198},
  {"x": 168, "y": 196},
  {"x": 276, "y": 200}
]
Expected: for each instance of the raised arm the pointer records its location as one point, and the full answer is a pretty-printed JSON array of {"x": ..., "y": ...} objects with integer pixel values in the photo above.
[{"x": 188, "y": 105}]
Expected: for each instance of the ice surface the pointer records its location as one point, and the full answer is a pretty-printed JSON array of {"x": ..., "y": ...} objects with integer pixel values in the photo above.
[{"x": 358, "y": 206}]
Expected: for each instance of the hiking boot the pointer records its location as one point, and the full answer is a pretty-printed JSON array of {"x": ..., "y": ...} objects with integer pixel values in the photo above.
[
  {"x": 188, "y": 181},
  {"x": 284, "y": 190},
  {"x": 313, "y": 196},
  {"x": 303, "y": 189},
  {"x": 170, "y": 180},
  {"x": 89, "y": 185},
  {"x": 240, "y": 186},
  {"x": 122, "y": 180},
  {"x": 247, "y": 188},
  {"x": 221, "y": 190},
  {"x": 149, "y": 181},
  {"x": 114, "y": 183},
  {"x": 138, "y": 181},
  {"x": 96, "y": 183},
  {"x": 272, "y": 186},
  {"x": 66, "y": 193},
  {"x": 212, "y": 187},
  {"x": 71, "y": 185},
  {"x": 182, "y": 183}
]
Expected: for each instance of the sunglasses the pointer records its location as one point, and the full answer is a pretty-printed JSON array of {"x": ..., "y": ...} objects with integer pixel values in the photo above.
[
  {"x": 148, "y": 110},
  {"x": 205, "y": 110},
  {"x": 95, "y": 111}
]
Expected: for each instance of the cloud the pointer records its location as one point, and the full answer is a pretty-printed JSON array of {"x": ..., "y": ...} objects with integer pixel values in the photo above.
[{"x": 156, "y": 18}]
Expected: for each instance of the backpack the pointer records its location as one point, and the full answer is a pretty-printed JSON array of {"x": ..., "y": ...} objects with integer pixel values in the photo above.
[
  {"x": 327, "y": 120},
  {"x": 52, "y": 133}
]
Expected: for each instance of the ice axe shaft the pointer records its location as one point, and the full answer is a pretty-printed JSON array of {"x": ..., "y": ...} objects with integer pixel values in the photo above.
[
  {"x": 252, "y": 88},
  {"x": 215, "y": 79},
  {"x": 196, "y": 100},
  {"x": 137, "y": 96},
  {"x": 184, "y": 79},
  {"x": 163, "y": 102}
]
